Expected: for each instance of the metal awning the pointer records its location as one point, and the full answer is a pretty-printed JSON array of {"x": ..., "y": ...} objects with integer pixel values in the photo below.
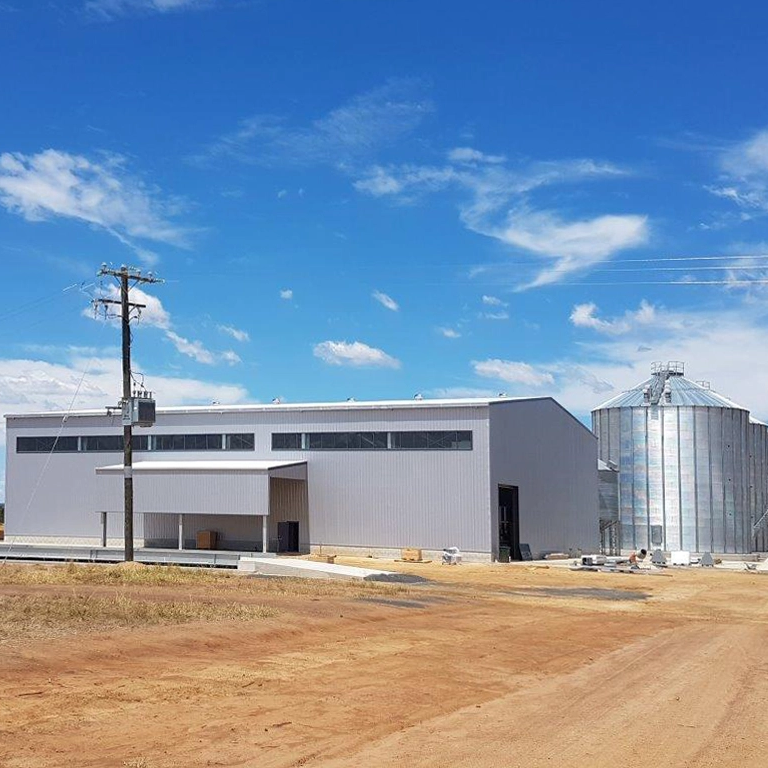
[{"x": 205, "y": 487}]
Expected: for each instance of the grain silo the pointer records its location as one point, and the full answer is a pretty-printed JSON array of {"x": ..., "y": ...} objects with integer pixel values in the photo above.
[{"x": 692, "y": 466}]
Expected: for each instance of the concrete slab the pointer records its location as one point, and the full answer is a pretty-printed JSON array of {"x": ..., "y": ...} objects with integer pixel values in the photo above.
[
  {"x": 309, "y": 569},
  {"x": 148, "y": 555}
]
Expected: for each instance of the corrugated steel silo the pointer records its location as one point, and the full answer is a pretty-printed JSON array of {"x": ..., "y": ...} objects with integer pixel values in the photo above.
[{"x": 692, "y": 467}]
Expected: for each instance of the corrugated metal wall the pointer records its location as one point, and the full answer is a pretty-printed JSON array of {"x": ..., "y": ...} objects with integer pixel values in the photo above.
[
  {"x": 684, "y": 476},
  {"x": 377, "y": 499},
  {"x": 362, "y": 499},
  {"x": 758, "y": 488},
  {"x": 552, "y": 458}
]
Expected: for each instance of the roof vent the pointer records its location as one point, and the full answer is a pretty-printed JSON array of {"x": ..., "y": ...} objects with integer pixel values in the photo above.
[
  {"x": 418, "y": 396},
  {"x": 704, "y": 384},
  {"x": 646, "y": 394}
]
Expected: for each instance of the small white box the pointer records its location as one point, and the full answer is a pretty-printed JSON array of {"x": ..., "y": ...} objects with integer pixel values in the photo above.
[{"x": 680, "y": 557}]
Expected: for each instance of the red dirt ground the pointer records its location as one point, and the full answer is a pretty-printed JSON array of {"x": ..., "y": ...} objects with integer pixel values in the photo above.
[{"x": 477, "y": 668}]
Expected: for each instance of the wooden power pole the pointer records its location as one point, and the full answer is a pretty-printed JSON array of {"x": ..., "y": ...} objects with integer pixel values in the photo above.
[{"x": 126, "y": 278}]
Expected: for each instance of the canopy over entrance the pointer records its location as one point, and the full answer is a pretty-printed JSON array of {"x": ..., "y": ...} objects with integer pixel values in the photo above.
[
  {"x": 193, "y": 488},
  {"x": 199, "y": 487}
]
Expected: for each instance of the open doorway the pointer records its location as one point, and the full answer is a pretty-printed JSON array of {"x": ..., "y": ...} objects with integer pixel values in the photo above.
[{"x": 509, "y": 523}]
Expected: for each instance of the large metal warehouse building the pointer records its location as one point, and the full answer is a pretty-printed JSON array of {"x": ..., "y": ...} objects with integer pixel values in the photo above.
[
  {"x": 353, "y": 477},
  {"x": 692, "y": 466}
]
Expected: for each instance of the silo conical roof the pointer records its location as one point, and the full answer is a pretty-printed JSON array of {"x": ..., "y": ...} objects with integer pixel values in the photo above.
[{"x": 669, "y": 387}]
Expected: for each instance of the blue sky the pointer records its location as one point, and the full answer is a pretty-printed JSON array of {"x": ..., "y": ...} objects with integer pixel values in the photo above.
[{"x": 374, "y": 199}]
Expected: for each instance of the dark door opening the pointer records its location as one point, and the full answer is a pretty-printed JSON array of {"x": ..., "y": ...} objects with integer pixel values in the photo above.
[
  {"x": 288, "y": 536},
  {"x": 509, "y": 523}
]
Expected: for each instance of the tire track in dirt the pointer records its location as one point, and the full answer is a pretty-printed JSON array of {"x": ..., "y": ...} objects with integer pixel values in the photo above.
[{"x": 664, "y": 699}]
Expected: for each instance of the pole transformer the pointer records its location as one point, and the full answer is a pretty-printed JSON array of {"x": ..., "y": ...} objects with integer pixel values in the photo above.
[{"x": 126, "y": 277}]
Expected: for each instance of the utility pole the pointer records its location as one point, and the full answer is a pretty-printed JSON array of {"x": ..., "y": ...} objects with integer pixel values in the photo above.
[{"x": 126, "y": 278}]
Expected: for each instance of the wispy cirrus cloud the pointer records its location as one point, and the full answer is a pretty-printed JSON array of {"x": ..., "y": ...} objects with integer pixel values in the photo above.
[
  {"x": 449, "y": 333},
  {"x": 111, "y": 9},
  {"x": 342, "y": 137},
  {"x": 512, "y": 372},
  {"x": 55, "y": 184},
  {"x": 496, "y": 205},
  {"x": 386, "y": 301},
  {"x": 153, "y": 314},
  {"x": 744, "y": 174},
  {"x": 585, "y": 316},
  {"x": 355, "y": 354},
  {"x": 236, "y": 333}
]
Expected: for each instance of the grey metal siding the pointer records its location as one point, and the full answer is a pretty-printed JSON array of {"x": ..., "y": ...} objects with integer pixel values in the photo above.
[
  {"x": 392, "y": 499},
  {"x": 552, "y": 458}
]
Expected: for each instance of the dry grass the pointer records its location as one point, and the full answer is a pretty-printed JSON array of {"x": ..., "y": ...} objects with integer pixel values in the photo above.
[
  {"x": 209, "y": 579},
  {"x": 41, "y": 615}
]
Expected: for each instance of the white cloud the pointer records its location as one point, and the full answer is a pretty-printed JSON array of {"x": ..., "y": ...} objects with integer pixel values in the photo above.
[
  {"x": 109, "y": 9},
  {"x": 286, "y": 294},
  {"x": 282, "y": 193},
  {"x": 28, "y": 385},
  {"x": 235, "y": 333},
  {"x": 54, "y": 184},
  {"x": 493, "y": 301},
  {"x": 344, "y": 135},
  {"x": 355, "y": 354},
  {"x": 585, "y": 316},
  {"x": 513, "y": 372},
  {"x": 199, "y": 352},
  {"x": 231, "y": 357},
  {"x": 501, "y": 315},
  {"x": 194, "y": 349},
  {"x": 472, "y": 156},
  {"x": 386, "y": 301},
  {"x": 155, "y": 315},
  {"x": 449, "y": 333},
  {"x": 573, "y": 246},
  {"x": 723, "y": 346},
  {"x": 152, "y": 314},
  {"x": 497, "y": 207},
  {"x": 744, "y": 174},
  {"x": 451, "y": 393}
]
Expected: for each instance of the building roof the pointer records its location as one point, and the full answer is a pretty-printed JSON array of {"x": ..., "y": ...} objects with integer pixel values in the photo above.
[
  {"x": 202, "y": 466},
  {"x": 352, "y": 405},
  {"x": 683, "y": 392}
]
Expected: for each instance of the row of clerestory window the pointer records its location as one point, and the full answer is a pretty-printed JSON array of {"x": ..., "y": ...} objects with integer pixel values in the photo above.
[
  {"x": 414, "y": 440},
  {"x": 114, "y": 443}
]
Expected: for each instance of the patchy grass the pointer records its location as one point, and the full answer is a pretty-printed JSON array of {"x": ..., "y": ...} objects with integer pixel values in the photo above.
[
  {"x": 40, "y": 615},
  {"x": 209, "y": 579}
]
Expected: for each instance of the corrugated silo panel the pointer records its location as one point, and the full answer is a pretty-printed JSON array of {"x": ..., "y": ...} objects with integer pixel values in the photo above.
[
  {"x": 688, "y": 514},
  {"x": 729, "y": 481},
  {"x": 671, "y": 448},
  {"x": 632, "y": 489},
  {"x": 655, "y": 426},
  {"x": 703, "y": 469},
  {"x": 716, "y": 464},
  {"x": 614, "y": 435}
]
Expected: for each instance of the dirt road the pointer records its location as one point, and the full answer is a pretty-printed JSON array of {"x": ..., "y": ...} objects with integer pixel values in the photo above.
[{"x": 487, "y": 667}]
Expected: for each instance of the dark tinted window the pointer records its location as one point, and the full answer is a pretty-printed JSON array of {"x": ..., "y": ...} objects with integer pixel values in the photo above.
[
  {"x": 286, "y": 441},
  {"x": 239, "y": 442},
  {"x": 104, "y": 443},
  {"x": 450, "y": 440},
  {"x": 65, "y": 444},
  {"x": 186, "y": 442}
]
